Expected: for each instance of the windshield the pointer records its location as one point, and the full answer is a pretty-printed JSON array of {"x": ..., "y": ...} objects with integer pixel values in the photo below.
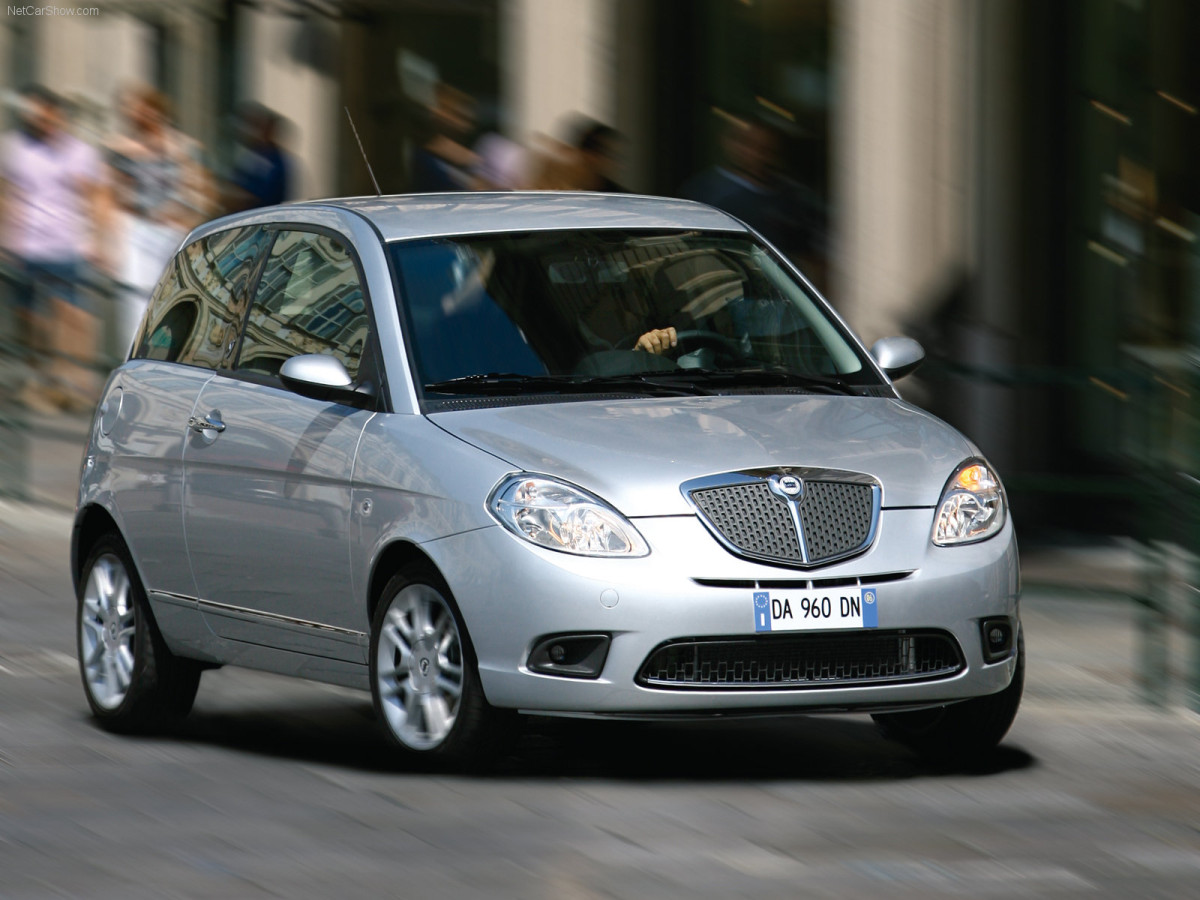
[{"x": 613, "y": 310}]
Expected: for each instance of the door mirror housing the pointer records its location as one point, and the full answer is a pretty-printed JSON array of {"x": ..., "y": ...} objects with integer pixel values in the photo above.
[
  {"x": 322, "y": 378},
  {"x": 898, "y": 356}
]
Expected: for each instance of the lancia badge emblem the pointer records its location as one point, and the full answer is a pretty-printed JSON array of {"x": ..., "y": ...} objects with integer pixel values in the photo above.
[{"x": 788, "y": 485}]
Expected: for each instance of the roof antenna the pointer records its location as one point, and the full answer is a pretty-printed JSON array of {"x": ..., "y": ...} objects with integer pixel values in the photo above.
[{"x": 378, "y": 192}]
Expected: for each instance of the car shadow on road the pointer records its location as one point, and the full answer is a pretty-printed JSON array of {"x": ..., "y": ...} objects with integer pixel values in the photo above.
[
  {"x": 796, "y": 748},
  {"x": 344, "y": 734}
]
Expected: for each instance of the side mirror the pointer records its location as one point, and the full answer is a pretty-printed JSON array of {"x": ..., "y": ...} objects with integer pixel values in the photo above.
[
  {"x": 898, "y": 356},
  {"x": 321, "y": 378}
]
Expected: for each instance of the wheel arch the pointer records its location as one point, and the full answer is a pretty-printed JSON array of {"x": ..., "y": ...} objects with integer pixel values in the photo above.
[
  {"x": 391, "y": 559},
  {"x": 403, "y": 553},
  {"x": 91, "y": 523}
]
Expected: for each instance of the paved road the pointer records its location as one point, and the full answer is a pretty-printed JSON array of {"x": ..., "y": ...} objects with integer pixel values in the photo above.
[{"x": 277, "y": 788}]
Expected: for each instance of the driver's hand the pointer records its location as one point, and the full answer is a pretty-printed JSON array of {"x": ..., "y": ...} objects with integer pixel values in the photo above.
[{"x": 658, "y": 340}]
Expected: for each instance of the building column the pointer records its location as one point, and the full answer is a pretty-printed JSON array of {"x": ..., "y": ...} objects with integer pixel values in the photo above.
[
  {"x": 64, "y": 46},
  {"x": 901, "y": 159},
  {"x": 7, "y": 48},
  {"x": 271, "y": 74},
  {"x": 195, "y": 36},
  {"x": 926, "y": 189},
  {"x": 91, "y": 59},
  {"x": 559, "y": 58}
]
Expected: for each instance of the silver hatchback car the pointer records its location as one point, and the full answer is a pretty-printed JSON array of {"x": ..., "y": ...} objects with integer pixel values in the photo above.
[{"x": 554, "y": 454}]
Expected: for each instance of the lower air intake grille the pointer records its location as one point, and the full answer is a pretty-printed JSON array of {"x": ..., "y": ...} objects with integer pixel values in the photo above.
[{"x": 802, "y": 661}]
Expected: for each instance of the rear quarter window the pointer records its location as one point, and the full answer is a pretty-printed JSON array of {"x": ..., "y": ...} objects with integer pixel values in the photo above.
[{"x": 197, "y": 308}]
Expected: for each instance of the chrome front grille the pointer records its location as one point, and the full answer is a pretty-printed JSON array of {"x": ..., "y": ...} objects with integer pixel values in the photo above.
[
  {"x": 802, "y": 661},
  {"x": 827, "y": 516},
  {"x": 752, "y": 518},
  {"x": 836, "y": 518}
]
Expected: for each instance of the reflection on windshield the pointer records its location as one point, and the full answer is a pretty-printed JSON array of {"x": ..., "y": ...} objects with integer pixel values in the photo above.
[{"x": 599, "y": 303}]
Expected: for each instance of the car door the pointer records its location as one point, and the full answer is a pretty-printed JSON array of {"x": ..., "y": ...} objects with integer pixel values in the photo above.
[
  {"x": 188, "y": 331},
  {"x": 267, "y": 472}
]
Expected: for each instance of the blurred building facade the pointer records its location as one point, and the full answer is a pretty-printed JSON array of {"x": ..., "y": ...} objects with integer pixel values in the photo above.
[{"x": 1011, "y": 181}]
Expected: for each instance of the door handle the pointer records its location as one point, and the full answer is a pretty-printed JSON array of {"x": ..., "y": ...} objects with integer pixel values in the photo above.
[{"x": 203, "y": 423}]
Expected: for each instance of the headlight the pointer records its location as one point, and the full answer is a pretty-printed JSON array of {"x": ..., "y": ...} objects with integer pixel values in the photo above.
[
  {"x": 972, "y": 507},
  {"x": 557, "y": 515}
]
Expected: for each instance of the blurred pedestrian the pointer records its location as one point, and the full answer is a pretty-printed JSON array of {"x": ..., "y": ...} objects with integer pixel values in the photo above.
[
  {"x": 500, "y": 164},
  {"x": 51, "y": 210},
  {"x": 746, "y": 183},
  {"x": 599, "y": 153},
  {"x": 162, "y": 191},
  {"x": 553, "y": 164},
  {"x": 444, "y": 161},
  {"x": 262, "y": 171},
  {"x": 586, "y": 159}
]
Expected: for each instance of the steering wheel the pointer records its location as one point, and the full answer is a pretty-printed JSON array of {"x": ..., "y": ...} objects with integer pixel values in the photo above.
[{"x": 689, "y": 339}]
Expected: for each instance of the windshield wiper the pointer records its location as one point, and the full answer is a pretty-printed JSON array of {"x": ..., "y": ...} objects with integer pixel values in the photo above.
[
  {"x": 761, "y": 376},
  {"x": 502, "y": 383}
]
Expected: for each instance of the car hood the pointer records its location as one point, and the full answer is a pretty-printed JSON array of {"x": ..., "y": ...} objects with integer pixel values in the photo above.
[{"x": 635, "y": 453}]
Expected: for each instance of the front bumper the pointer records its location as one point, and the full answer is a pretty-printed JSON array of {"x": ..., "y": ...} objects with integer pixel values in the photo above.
[{"x": 511, "y": 593}]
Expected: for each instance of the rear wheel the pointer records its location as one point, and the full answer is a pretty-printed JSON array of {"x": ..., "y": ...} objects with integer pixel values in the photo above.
[
  {"x": 424, "y": 677},
  {"x": 131, "y": 680},
  {"x": 961, "y": 731}
]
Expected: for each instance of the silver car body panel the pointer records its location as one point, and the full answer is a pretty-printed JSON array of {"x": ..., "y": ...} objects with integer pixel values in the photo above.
[
  {"x": 266, "y": 511},
  {"x": 441, "y": 215},
  {"x": 661, "y": 597},
  {"x": 133, "y": 468},
  {"x": 636, "y": 453},
  {"x": 136, "y": 466},
  {"x": 257, "y": 544}
]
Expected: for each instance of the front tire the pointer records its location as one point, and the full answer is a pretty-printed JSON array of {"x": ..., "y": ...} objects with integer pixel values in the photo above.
[
  {"x": 961, "y": 732},
  {"x": 131, "y": 680},
  {"x": 424, "y": 677}
]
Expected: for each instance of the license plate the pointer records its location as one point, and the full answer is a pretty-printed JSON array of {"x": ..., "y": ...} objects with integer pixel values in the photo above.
[{"x": 842, "y": 607}]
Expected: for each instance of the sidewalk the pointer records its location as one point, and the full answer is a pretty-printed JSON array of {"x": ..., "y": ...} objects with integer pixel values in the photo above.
[
  {"x": 40, "y": 457},
  {"x": 1152, "y": 589}
]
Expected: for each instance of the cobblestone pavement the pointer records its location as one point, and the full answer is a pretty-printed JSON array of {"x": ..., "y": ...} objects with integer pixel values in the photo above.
[{"x": 280, "y": 788}]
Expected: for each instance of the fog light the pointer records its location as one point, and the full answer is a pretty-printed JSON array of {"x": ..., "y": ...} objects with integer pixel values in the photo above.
[
  {"x": 570, "y": 655},
  {"x": 997, "y": 639}
]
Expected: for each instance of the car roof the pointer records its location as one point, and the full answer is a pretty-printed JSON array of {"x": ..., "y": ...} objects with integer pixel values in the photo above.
[{"x": 405, "y": 216}]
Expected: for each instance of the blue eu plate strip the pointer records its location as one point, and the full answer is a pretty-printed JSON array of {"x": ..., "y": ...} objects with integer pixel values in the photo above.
[
  {"x": 870, "y": 608},
  {"x": 762, "y": 611}
]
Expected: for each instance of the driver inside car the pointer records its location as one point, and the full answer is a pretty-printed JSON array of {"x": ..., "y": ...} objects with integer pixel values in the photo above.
[{"x": 658, "y": 340}]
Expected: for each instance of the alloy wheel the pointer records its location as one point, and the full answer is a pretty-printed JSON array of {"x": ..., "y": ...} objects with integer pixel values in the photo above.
[
  {"x": 419, "y": 667},
  {"x": 108, "y": 632}
]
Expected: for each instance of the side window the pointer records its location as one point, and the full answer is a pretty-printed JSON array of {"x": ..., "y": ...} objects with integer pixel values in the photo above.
[
  {"x": 194, "y": 314},
  {"x": 169, "y": 319},
  {"x": 309, "y": 300}
]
